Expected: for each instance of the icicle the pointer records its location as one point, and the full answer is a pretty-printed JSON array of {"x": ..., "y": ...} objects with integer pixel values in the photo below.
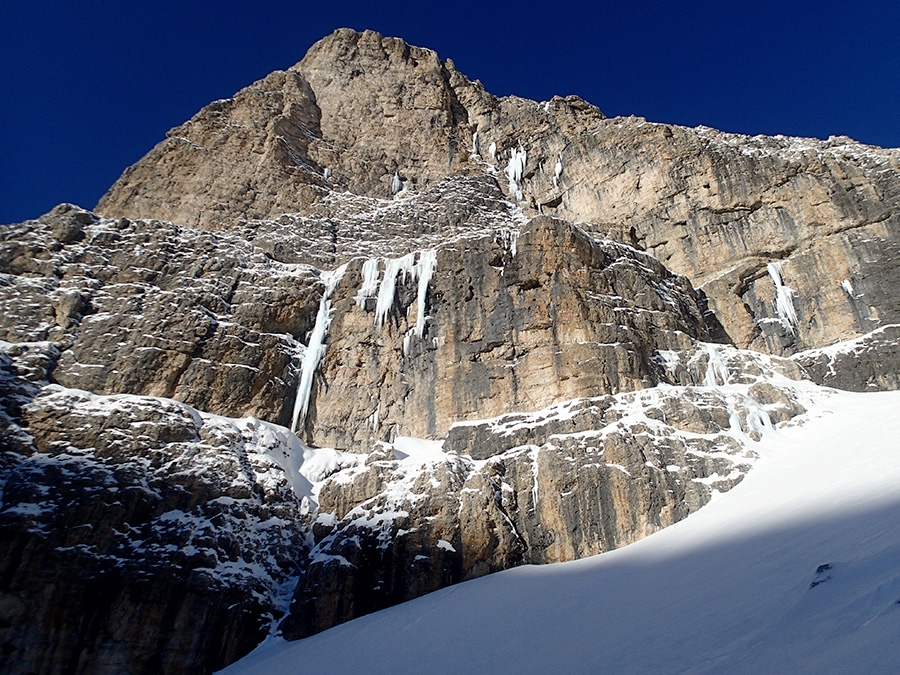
[
  {"x": 389, "y": 285},
  {"x": 784, "y": 298},
  {"x": 373, "y": 418},
  {"x": 396, "y": 184},
  {"x": 369, "y": 282},
  {"x": 327, "y": 173},
  {"x": 557, "y": 171},
  {"x": 475, "y": 149},
  {"x": 407, "y": 338},
  {"x": 492, "y": 151},
  {"x": 315, "y": 349},
  {"x": 425, "y": 268}
]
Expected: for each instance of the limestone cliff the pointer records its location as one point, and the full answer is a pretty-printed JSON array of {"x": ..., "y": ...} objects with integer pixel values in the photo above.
[{"x": 718, "y": 208}]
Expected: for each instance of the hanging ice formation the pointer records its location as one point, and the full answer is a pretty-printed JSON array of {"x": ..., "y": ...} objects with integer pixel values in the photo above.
[
  {"x": 557, "y": 172},
  {"x": 427, "y": 260},
  {"x": 475, "y": 149},
  {"x": 510, "y": 239},
  {"x": 415, "y": 267},
  {"x": 315, "y": 348},
  {"x": 387, "y": 289},
  {"x": 327, "y": 173},
  {"x": 784, "y": 298},
  {"x": 396, "y": 183},
  {"x": 515, "y": 169},
  {"x": 369, "y": 282},
  {"x": 492, "y": 151}
]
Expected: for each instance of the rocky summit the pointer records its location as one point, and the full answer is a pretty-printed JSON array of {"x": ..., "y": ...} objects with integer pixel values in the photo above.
[{"x": 364, "y": 330}]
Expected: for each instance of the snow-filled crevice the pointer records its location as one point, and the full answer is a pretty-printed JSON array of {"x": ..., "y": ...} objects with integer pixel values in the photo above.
[
  {"x": 315, "y": 348},
  {"x": 784, "y": 298}
]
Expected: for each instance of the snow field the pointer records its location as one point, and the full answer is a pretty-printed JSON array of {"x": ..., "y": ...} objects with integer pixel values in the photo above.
[{"x": 796, "y": 569}]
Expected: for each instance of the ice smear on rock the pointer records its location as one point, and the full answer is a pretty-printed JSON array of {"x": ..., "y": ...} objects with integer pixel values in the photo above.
[
  {"x": 515, "y": 170},
  {"x": 716, "y": 370}
]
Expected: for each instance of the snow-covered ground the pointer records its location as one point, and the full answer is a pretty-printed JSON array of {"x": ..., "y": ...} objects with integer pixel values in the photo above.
[{"x": 795, "y": 570}]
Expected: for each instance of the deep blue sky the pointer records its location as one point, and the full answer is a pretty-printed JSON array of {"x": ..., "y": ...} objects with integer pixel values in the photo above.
[{"x": 88, "y": 87}]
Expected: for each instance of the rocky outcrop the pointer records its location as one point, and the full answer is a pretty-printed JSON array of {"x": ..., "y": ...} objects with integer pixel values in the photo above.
[
  {"x": 162, "y": 514},
  {"x": 569, "y": 481},
  {"x": 506, "y": 325},
  {"x": 138, "y": 535},
  {"x": 868, "y": 363}
]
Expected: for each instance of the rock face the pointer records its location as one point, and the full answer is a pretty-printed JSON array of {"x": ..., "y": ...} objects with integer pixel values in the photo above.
[
  {"x": 128, "y": 522},
  {"x": 568, "y": 481},
  {"x": 325, "y": 349},
  {"x": 718, "y": 208}
]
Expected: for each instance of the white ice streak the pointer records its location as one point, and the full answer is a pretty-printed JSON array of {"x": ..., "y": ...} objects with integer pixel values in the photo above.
[
  {"x": 315, "y": 348},
  {"x": 784, "y": 298},
  {"x": 716, "y": 370},
  {"x": 396, "y": 184},
  {"x": 475, "y": 150},
  {"x": 510, "y": 239},
  {"x": 848, "y": 287},
  {"x": 557, "y": 171},
  {"x": 492, "y": 151}
]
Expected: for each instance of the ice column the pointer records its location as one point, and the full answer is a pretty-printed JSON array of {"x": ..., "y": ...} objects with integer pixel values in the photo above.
[
  {"x": 425, "y": 268},
  {"x": 515, "y": 169},
  {"x": 315, "y": 348},
  {"x": 370, "y": 282},
  {"x": 784, "y": 298}
]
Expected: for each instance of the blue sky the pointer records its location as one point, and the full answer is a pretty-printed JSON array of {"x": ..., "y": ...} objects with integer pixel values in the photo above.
[{"x": 89, "y": 87}]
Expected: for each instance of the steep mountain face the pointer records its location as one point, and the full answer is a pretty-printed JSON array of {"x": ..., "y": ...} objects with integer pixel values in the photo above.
[
  {"x": 718, "y": 208},
  {"x": 364, "y": 330}
]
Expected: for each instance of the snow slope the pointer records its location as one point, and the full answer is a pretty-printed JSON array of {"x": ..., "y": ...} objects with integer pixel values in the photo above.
[{"x": 797, "y": 569}]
